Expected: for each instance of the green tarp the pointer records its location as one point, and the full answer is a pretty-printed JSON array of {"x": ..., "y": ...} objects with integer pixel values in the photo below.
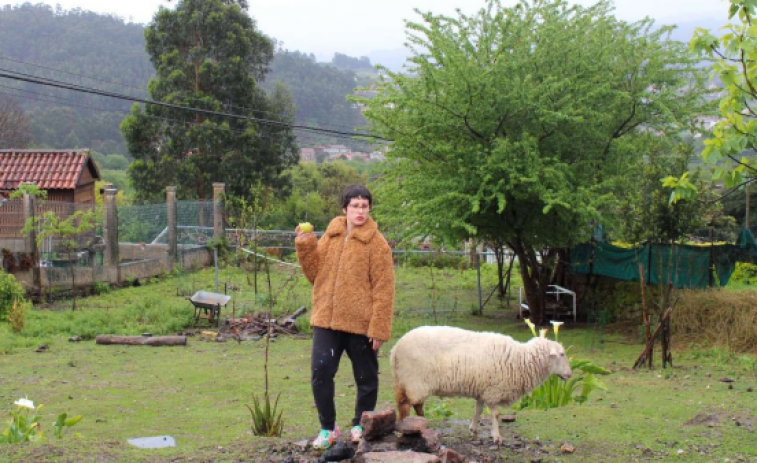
[{"x": 688, "y": 267}]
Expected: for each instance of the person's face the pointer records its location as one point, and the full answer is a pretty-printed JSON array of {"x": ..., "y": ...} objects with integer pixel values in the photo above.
[{"x": 357, "y": 211}]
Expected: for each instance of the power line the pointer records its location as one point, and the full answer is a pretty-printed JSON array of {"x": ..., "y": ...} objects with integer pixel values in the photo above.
[
  {"x": 94, "y": 91},
  {"x": 18, "y": 61},
  {"x": 69, "y": 103}
]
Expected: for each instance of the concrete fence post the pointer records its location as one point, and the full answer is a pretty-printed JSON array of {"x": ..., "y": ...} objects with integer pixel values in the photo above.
[
  {"x": 30, "y": 241},
  {"x": 172, "y": 230},
  {"x": 110, "y": 227},
  {"x": 218, "y": 228}
]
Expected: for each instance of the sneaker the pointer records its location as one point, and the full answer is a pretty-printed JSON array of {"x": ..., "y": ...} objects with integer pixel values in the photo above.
[
  {"x": 326, "y": 439},
  {"x": 356, "y": 433}
]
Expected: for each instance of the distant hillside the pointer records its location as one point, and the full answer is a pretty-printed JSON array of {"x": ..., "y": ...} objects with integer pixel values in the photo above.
[
  {"x": 112, "y": 51},
  {"x": 78, "y": 42}
]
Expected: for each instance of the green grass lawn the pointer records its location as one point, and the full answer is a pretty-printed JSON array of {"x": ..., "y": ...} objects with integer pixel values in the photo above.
[{"x": 197, "y": 393}]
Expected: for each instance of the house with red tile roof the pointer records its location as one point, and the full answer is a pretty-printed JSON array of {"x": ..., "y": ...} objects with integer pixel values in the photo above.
[{"x": 67, "y": 175}]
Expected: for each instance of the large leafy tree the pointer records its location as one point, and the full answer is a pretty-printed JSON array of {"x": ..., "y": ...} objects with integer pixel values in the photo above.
[
  {"x": 734, "y": 138},
  {"x": 519, "y": 124},
  {"x": 208, "y": 54}
]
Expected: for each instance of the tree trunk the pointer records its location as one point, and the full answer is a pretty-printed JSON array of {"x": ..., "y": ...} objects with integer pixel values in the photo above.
[
  {"x": 533, "y": 281},
  {"x": 499, "y": 253},
  {"x": 107, "y": 339}
]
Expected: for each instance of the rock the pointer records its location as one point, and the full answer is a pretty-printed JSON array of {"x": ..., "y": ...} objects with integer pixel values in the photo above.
[
  {"x": 74, "y": 339},
  {"x": 42, "y": 348},
  {"x": 386, "y": 444},
  {"x": 450, "y": 456},
  {"x": 681, "y": 452},
  {"x": 749, "y": 389},
  {"x": 302, "y": 445},
  {"x": 426, "y": 441},
  {"x": 507, "y": 418},
  {"x": 567, "y": 448},
  {"x": 412, "y": 425},
  {"x": 378, "y": 424},
  {"x": 340, "y": 451},
  {"x": 726, "y": 380},
  {"x": 494, "y": 447},
  {"x": 397, "y": 457}
]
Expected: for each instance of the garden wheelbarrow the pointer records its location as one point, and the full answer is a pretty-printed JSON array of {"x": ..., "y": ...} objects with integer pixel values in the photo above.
[{"x": 208, "y": 305}]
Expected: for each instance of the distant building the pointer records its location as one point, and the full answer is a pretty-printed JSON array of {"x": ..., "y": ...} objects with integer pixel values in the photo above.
[
  {"x": 378, "y": 156},
  {"x": 66, "y": 175},
  {"x": 307, "y": 154},
  {"x": 336, "y": 149}
]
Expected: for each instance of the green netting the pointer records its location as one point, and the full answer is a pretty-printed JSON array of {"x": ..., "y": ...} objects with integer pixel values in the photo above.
[{"x": 684, "y": 266}]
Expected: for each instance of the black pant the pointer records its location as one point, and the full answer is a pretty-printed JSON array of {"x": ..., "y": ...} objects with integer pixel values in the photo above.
[{"x": 328, "y": 346}]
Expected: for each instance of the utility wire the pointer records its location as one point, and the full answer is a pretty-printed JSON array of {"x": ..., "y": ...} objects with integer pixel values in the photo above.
[
  {"x": 94, "y": 91},
  {"x": 6, "y": 58},
  {"x": 174, "y": 122}
]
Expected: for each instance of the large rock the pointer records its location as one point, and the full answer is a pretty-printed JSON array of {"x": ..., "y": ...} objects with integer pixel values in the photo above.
[
  {"x": 450, "y": 456},
  {"x": 397, "y": 457},
  {"x": 378, "y": 424},
  {"x": 386, "y": 444},
  {"x": 426, "y": 441},
  {"x": 412, "y": 425}
]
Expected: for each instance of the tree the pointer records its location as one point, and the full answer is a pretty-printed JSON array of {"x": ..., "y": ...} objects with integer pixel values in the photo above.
[
  {"x": 15, "y": 131},
  {"x": 735, "y": 55},
  {"x": 520, "y": 123},
  {"x": 208, "y": 55}
]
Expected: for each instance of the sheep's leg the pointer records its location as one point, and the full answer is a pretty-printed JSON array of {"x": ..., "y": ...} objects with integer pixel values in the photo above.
[
  {"x": 477, "y": 416},
  {"x": 495, "y": 425},
  {"x": 419, "y": 409},
  {"x": 404, "y": 409}
]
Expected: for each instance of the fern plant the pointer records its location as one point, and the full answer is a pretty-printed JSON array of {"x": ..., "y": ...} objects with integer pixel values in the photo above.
[{"x": 265, "y": 421}]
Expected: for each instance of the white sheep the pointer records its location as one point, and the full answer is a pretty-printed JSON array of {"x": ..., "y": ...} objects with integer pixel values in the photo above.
[{"x": 492, "y": 368}]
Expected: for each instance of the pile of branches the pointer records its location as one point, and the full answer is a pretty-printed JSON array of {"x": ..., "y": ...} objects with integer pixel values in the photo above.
[{"x": 255, "y": 326}]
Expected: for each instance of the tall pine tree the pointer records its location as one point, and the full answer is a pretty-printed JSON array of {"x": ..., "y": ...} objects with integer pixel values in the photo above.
[{"x": 209, "y": 55}]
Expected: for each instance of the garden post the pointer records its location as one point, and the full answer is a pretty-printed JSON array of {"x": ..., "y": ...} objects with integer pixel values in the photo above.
[
  {"x": 218, "y": 192},
  {"x": 172, "y": 232},
  {"x": 110, "y": 228}
]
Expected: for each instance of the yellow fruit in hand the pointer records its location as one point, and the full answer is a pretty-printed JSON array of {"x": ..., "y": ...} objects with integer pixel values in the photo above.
[{"x": 306, "y": 227}]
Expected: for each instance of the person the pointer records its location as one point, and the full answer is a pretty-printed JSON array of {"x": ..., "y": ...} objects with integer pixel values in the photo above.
[{"x": 352, "y": 273}]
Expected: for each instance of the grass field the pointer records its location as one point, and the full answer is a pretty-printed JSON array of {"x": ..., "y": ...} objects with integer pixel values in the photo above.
[{"x": 197, "y": 394}]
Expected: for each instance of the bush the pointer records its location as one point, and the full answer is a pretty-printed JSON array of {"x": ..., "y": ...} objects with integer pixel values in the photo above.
[
  {"x": 744, "y": 273},
  {"x": 10, "y": 292},
  {"x": 17, "y": 316}
]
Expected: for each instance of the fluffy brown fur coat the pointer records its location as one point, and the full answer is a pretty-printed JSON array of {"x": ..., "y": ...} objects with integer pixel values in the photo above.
[{"x": 353, "y": 280}]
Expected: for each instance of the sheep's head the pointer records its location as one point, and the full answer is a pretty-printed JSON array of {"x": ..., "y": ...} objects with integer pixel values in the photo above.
[{"x": 558, "y": 362}]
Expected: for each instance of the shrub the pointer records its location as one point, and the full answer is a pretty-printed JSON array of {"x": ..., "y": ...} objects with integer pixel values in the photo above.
[
  {"x": 17, "y": 316},
  {"x": 264, "y": 418},
  {"x": 10, "y": 292}
]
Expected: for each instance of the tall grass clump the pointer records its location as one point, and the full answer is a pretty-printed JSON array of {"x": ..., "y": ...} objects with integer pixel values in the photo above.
[{"x": 719, "y": 317}]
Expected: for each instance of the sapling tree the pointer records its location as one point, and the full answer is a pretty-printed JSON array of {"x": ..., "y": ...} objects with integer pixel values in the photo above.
[{"x": 68, "y": 233}]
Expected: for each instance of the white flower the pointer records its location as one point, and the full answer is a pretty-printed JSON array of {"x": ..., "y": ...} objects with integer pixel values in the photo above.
[
  {"x": 543, "y": 333},
  {"x": 26, "y": 403}
]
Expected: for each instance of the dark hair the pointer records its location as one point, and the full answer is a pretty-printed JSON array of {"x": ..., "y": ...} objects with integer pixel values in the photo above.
[{"x": 356, "y": 191}]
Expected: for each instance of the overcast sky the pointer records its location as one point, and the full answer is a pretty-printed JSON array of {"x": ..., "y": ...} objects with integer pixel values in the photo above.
[{"x": 359, "y": 27}]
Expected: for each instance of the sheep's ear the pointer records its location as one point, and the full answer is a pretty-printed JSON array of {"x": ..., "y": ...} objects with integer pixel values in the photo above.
[{"x": 553, "y": 353}]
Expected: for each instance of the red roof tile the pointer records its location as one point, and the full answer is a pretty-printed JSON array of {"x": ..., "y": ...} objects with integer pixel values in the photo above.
[{"x": 49, "y": 169}]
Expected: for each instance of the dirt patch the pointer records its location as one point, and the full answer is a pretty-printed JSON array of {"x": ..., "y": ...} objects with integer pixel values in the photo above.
[{"x": 705, "y": 419}]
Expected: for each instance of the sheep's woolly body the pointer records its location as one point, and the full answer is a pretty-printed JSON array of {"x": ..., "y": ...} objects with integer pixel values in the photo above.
[{"x": 451, "y": 362}]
